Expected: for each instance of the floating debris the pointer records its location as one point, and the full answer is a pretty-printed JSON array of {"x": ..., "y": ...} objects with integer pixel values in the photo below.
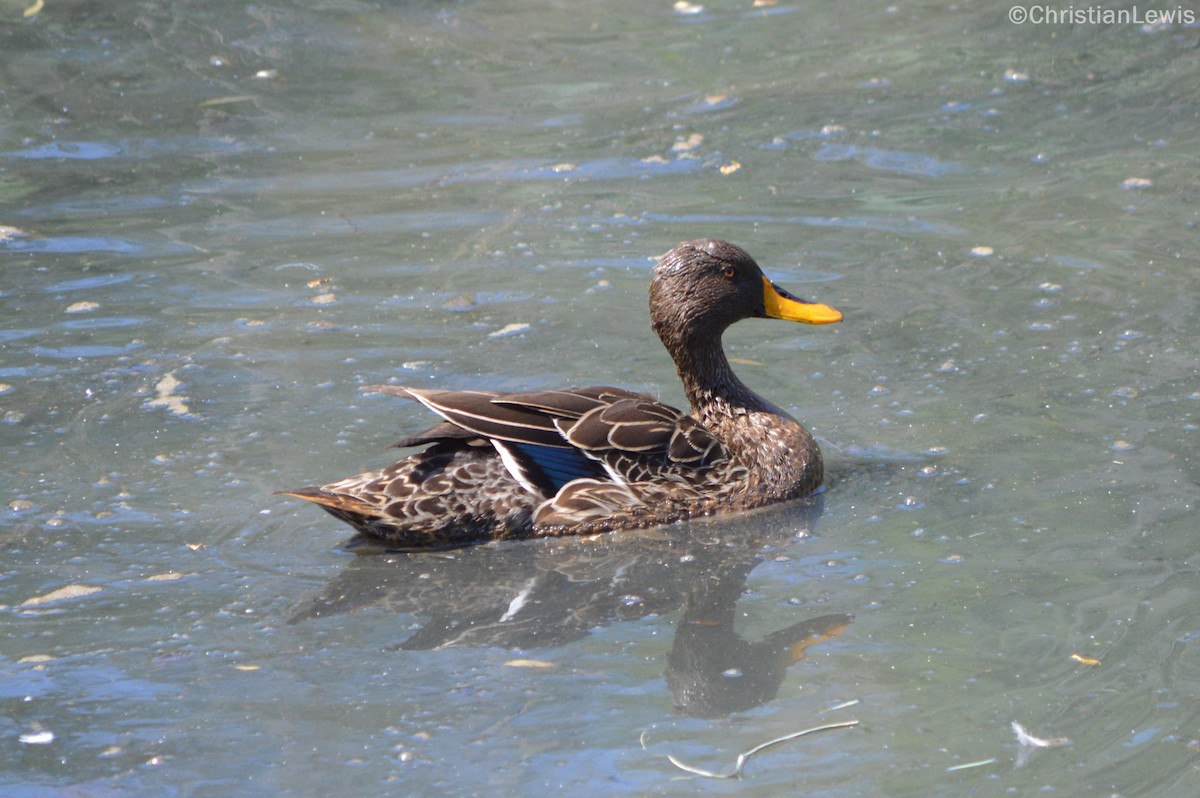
[
  {"x": 167, "y": 398},
  {"x": 1082, "y": 660},
  {"x": 510, "y": 329},
  {"x": 37, "y": 659},
  {"x": 1027, "y": 740},
  {"x": 969, "y": 765},
  {"x": 459, "y": 303},
  {"x": 230, "y": 100},
  {"x": 169, "y": 576},
  {"x": 1137, "y": 182},
  {"x": 730, "y": 168},
  {"x": 81, "y": 307},
  {"x": 530, "y": 663},
  {"x": 42, "y": 737},
  {"x": 687, "y": 145},
  {"x": 740, "y": 765},
  {"x": 684, "y": 7},
  {"x": 843, "y": 705},
  {"x": 62, "y": 594},
  {"x": 981, "y": 252}
]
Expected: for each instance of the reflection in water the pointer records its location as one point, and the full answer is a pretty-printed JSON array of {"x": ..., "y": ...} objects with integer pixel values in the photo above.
[{"x": 543, "y": 594}]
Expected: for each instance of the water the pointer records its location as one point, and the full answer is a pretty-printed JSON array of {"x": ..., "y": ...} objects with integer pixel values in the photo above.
[{"x": 221, "y": 222}]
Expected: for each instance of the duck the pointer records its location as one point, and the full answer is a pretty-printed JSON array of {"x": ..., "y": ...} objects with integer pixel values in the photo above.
[{"x": 512, "y": 465}]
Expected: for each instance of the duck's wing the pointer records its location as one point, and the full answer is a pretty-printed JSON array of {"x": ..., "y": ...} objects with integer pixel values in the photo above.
[
  {"x": 550, "y": 438},
  {"x": 523, "y": 433}
]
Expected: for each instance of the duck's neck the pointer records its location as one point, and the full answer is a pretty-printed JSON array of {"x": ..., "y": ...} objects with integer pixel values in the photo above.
[
  {"x": 780, "y": 456},
  {"x": 715, "y": 393}
]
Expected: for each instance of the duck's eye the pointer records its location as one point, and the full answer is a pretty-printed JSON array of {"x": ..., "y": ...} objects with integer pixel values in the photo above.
[{"x": 729, "y": 272}]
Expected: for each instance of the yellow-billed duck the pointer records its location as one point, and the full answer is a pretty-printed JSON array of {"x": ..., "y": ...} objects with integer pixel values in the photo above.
[{"x": 583, "y": 460}]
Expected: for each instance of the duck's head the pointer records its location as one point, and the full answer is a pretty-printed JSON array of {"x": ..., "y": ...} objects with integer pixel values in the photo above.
[{"x": 702, "y": 287}]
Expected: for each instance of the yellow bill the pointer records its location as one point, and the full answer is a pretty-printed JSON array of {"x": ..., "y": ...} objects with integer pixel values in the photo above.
[{"x": 782, "y": 305}]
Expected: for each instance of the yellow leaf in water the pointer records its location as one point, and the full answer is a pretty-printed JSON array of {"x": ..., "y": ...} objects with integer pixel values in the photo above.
[
  {"x": 1082, "y": 660},
  {"x": 33, "y": 9}
]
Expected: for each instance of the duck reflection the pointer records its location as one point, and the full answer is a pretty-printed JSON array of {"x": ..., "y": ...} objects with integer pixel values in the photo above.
[{"x": 545, "y": 593}]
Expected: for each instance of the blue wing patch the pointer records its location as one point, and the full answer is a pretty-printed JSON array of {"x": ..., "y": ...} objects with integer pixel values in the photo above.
[{"x": 559, "y": 464}]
